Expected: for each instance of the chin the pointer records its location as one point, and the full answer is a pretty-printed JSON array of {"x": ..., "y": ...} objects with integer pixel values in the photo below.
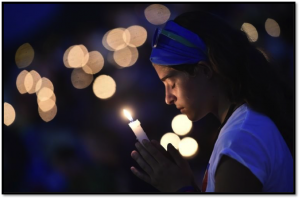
[
  {"x": 191, "y": 117},
  {"x": 194, "y": 117}
]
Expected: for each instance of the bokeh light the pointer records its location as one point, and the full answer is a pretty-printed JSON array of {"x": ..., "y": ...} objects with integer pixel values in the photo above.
[
  {"x": 81, "y": 79},
  {"x": 170, "y": 138},
  {"x": 135, "y": 36},
  {"x": 24, "y": 55},
  {"x": 94, "y": 64},
  {"x": 82, "y": 147},
  {"x": 86, "y": 55},
  {"x": 272, "y": 27},
  {"x": 113, "y": 39},
  {"x": 9, "y": 114},
  {"x": 53, "y": 97},
  {"x": 181, "y": 125},
  {"x": 44, "y": 94},
  {"x": 75, "y": 57},
  {"x": 65, "y": 57},
  {"x": 104, "y": 42},
  {"x": 188, "y": 147},
  {"x": 46, "y": 105},
  {"x": 251, "y": 31},
  {"x": 110, "y": 59},
  {"x": 48, "y": 115},
  {"x": 157, "y": 14},
  {"x": 35, "y": 79},
  {"x": 126, "y": 57},
  {"x": 104, "y": 86},
  {"x": 28, "y": 82},
  {"x": 43, "y": 82},
  {"x": 20, "y": 81}
]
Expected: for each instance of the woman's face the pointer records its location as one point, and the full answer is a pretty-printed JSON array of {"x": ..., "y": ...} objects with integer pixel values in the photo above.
[{"x": 192, "y": 95}]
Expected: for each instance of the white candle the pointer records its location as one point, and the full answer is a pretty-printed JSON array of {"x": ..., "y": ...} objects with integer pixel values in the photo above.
[{"x": 136, "y": 127}]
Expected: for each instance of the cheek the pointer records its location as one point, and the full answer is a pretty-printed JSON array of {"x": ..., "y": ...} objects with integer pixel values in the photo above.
[
  {"x": 189, "y": 92},
  {"x": 195, "y": 94}
]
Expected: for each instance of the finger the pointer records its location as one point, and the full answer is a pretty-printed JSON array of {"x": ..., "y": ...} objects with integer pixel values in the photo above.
[
  {"x": 162, "y": 149},
  {"x": 159, "y": 147},
  {"x": 146, "y": 156},
  {"x": 140, "y": 175},
  {"x": 158, "y": 156},
  {"x": 135, "y": 155},
  {"x": 179, "y": 160}
]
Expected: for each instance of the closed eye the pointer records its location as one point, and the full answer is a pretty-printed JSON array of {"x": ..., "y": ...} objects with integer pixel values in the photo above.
[{"x": 173, "y": 86}]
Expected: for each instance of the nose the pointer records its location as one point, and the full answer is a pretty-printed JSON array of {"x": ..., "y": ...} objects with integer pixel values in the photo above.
[{"x": 170, "y": 97}]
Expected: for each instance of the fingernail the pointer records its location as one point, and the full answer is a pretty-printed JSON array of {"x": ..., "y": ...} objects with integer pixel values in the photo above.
[{"x": 134, "y": 155}]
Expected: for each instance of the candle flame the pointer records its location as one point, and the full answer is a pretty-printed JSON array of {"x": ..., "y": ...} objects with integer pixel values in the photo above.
[{"x": 127, "y": 114}]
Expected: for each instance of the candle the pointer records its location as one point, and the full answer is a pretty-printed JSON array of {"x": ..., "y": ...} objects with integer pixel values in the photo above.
[{"x": 136, "y": 127}]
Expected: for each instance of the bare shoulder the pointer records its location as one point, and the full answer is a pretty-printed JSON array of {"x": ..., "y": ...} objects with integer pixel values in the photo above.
[{"x": 231, "y": 176}]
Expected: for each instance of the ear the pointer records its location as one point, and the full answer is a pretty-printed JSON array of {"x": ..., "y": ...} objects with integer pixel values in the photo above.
[{"x": 206, "y": 68}]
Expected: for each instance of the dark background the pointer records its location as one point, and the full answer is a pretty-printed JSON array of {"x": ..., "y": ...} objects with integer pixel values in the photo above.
[{"x": 86, "y": 147}]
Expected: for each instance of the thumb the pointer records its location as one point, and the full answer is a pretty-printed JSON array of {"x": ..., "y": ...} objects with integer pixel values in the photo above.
[{"x": 179, "y": 160}]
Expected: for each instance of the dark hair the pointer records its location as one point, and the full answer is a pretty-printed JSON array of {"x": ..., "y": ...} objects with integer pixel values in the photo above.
[{"x": 245, "y": 71}]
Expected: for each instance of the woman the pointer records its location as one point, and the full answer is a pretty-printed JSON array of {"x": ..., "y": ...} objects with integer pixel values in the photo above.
[{"x": 209, "y": 67}]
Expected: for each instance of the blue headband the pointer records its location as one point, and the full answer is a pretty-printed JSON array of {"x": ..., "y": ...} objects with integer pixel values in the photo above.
[{"x": 175, "y": 45}]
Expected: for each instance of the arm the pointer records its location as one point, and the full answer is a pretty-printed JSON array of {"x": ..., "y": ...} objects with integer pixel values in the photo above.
[{"x": 232, "y": 176}]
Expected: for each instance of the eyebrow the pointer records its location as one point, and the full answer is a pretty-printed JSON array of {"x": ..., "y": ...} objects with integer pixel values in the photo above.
[{"x": 171, "y": 74}]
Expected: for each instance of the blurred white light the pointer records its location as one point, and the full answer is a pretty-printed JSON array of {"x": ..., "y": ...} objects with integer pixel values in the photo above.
[
  {"x": 272, "y": 27},
  {"x": 46, "y": 105},
  {"x": 251, "y": 31},
  {"x": 28, "y": 82},
  {"x": 20, "y": 81},
  {"x": 44, "y": 94},
  {"x": 181, "y": 124},
  {"x": 113, "y": 39},
  {"x": 157, "y": 14},
  {"x": 44, "y": 82},
  {"x": 65, "y": 57},
  {"x": 9, "y": 114},
  {"x": 170, "y": 138},
  {"x": 48, "y": 115},
  {"x": 81, "y": 79},
  {"x": 86, "y": 55},
  {"x": 104, "y": 87},
  {"x": 35, "y": 78},
  {"x": 188, "y": 147},
  {"x": 135, "y": 36},
  {"x": 24, "y": 55},
  {"x": 126, "y": 57},
  {"x": 94, "y": 64},
  {"x": 75, "y": 57},
  {"x": 45, "y": 97}
]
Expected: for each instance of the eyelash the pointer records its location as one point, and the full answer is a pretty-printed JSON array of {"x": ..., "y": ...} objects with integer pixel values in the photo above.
[{"x": 173, "y": 86}]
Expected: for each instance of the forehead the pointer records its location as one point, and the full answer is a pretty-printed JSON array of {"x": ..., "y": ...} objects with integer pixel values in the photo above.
[{"x": 162, "y": 69}]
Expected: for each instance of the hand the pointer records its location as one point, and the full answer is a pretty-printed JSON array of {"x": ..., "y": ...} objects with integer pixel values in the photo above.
[{"x": 160, "y": 171}]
